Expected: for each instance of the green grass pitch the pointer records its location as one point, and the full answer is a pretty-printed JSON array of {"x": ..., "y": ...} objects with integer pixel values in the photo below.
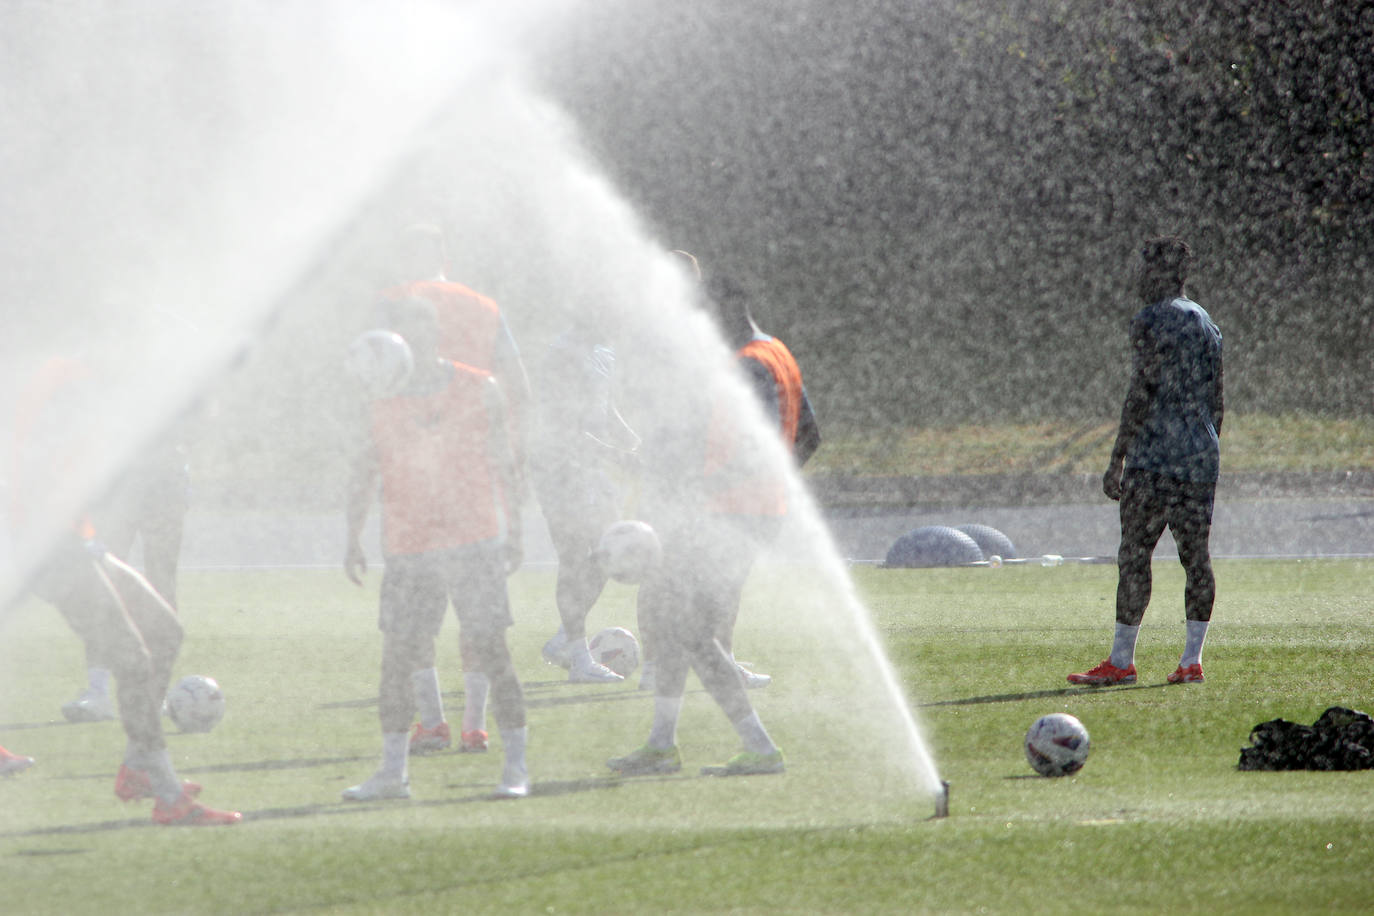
[{"x": 1159, "y": 820}]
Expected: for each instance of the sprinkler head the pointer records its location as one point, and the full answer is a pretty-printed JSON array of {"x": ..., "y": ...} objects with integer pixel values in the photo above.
[{"x": 942, "y": 800}]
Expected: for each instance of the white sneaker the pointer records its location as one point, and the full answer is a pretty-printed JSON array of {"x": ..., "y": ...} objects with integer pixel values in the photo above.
[
  {"x": 591, "y": 672},
  {"x": 558, "y": 650},
  {"x": 646, "y": 676},
  {"x": 752, "y": 679},
  {"x": 89, "y": 707},
  {"x": 379, "y": 785}
]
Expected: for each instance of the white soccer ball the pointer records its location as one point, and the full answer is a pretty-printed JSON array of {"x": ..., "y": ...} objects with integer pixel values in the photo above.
[
  {"x": 1057, "y": 745},
  {"x": 195, "y": 703},
  {"x": 617, "y": 649},
  {"x": 629, "y": 551},
  {"x": 381, "y": 360}
]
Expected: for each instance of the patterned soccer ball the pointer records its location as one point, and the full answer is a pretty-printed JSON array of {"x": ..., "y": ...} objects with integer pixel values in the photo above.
[
  {"x": 381, "y": 360},
  {"x": 1057, "y": 745},
  {"x": 629, "y": 550},
  {"x": 617, "y": 649},
  {"x": 195, "y": 703}
]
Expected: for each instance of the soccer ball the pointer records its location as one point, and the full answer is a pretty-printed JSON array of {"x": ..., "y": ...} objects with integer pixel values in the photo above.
[
  {"x": 195, "y": 703},
  {"x": 1057, "y": 745},
  {"x": 628, "y": 551},
  {"x": 381, "y": 360},
  {"x": 617, "y": 649}
]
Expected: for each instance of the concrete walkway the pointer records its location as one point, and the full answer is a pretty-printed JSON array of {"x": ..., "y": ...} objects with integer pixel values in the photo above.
[{"x": 1310, "y": 522}]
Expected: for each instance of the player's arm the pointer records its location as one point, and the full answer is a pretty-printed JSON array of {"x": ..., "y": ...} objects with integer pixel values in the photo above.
[
  {"x": 362, "y": 488},
  {"x": 765, "y": 388},
  {"x": 1140, "y": 394},
  {"x": 808, "y": 432},
  {"x": 509, "y": 472},
  {"x": 509, "y": 370},
  {"x": 1218, "y": 401}
]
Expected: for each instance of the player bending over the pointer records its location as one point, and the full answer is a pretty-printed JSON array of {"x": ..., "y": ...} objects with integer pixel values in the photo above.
[{"x": 120, "y": 617}]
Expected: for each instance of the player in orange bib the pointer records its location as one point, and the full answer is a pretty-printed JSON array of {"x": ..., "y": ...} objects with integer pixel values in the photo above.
[
  {"x": 718, "y": 499},
  {"x": 752, "y": 501},
  {"x": 450, "y": 490},
  {"x": 472, "y": 331}
]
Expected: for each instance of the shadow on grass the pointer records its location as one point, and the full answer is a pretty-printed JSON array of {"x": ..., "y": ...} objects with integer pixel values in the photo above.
[
  {"x": 247, "y": 766},
  {"x": 473, "y": 794},
  {"x": 538, "y": 694},
  {"x": 51, "y": 723},
  {"x": 1040, "y": 695}
]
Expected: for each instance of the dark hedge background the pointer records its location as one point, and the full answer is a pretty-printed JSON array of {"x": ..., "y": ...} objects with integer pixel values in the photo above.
[{"x": 937, "y": 204}]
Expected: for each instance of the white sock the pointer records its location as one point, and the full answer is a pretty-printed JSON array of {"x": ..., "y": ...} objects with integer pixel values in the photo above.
[
  {"x": 476, "y": 686},
  {"x": 1123, "y": 645},
  {"x": 1195, "y": 635},
  {"x": 99, "y": 680},
  {"x": 663, "y": 733},
  {"x": 395, "y": 749},
  {"x": 754, "y": 736},
  {"x": 513, "y": 741},
  {"x": 427, "y": 696}
]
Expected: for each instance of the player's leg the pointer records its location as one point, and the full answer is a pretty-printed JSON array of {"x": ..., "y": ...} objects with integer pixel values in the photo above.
[
  {"x": 90, "y": 602},
  {"x": 476, "y": 580},
  {"x": 1142, "y": 523},
  {"x": 410, "y": 612},
  {"x": 431, "y": 733},
  {"x": 723, "y": 555},
  {"x": 507, "y": 705},
  {"x": 661, "y": 600},
  {"x": 162, "y": 525},
  {"x": 155, "y": 619},
  {"x": 161, "y": 632},
  {"x": 115, "y": 519},
  {"x": 476, "y": 694},
  {"x": 1190, "y": 522},
  {"x": 94, "y": 703},
  {"x": 577, "y": 509},
  {"x": 127, "y": 623},
  {"x": 734, "y": 549}
]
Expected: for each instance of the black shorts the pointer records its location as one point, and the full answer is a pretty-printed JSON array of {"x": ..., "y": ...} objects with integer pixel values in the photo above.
[
  {"x": 1150, "y": 502},
  {"x": 417, "y": 588}
]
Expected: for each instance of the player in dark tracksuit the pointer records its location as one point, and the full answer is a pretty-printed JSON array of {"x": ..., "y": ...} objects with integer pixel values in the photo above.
[{"x": 1166, "y": 459}]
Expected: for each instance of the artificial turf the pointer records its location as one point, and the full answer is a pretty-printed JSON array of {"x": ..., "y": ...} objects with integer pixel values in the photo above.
[{"x": 1159, "y": 819}]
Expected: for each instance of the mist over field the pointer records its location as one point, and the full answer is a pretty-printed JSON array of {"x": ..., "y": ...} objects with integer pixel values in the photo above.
[
  {"x": 938, "y": 203},
  {"x": 935, "y": 204}
]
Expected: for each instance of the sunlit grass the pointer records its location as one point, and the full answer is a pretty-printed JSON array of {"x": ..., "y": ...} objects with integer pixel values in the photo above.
[
  {"x": 1160, "y": 817},
  {"x": 1250, "y": 443}
]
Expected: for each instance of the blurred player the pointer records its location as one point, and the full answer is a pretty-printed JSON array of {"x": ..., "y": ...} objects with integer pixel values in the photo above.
[
  {"x": 451, "y": 491},
  {"x": 756, "y": 505},
  {"x": 578, "y": 441},
  {"x": 149, "y": 502},
  {"x": 714, "y": 500},
  {"x": 472, "y": 331},
  {"x": 1164, "y": 464},
  {"x": 120, "y": 617}
]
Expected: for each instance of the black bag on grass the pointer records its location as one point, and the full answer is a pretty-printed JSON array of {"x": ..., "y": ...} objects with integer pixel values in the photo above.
[{"x": 1340, "y": 739}]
